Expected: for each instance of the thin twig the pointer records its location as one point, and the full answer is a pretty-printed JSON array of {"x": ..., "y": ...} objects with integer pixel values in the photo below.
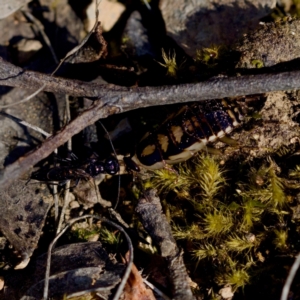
[
  {"x": 36, "y": 128},
  {"x": 75, "y": 49},
  {"x": 64, "y": 208},
  {"x": 25, "y": 99},
  {"x": 117, "y": 217},
  {"x": 56, "y": 202},
  {"x": 290, "y": 278},
  {"x": 156, "y": 290},
  {"x": 67, "y": 187},
  {"x": 147, "y": 4},
  {"x": 42, "y": 32},
  {"x": 115, "y": 153},
  {"x": 68, "y": 225}
]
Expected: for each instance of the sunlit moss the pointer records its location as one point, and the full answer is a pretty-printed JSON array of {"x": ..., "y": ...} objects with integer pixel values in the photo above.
[
  {"x": 170, "y": 63},
  {"x": 217, "y": 222},
  {"x": 88, "y": 296},
  {"x": 257, "y": 63},
  {"x": 208, "y": 250},
  {"x": 235, "y": 274},
  {"x": 229, "y": 221},
  {"x": 237, "y": 277},
  {"x": 276, "y": 187},
  {"x": 295, "y": 173},
  {"x": 252, "y": 211},
  {"x": 237, "y": 243},
  {"x": 193, "y": 232},
  {"x": 203, "y": 173},
  {"x": 209, "y": 176},
  {"x": 110, "y": 237},
  {"x": 210, "y": 56},
  {"x": 100, "y": 233},
  {"x": 85, "y": 234},
  {"x": 266, "y": 186},
  {"x": 165, "y": 180},
  {"x": 280, "y": 240}
]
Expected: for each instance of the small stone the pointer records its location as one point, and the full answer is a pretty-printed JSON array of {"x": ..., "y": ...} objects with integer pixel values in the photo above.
[
  {"x": 67, "y": 217},
  {"x": 294, "y": 140},
  {"x": 226, "y": 292},
  {"x": 26, "y": 48},
  {"x": 256, "y": 136},
  {"x": 250, "y": 237},
  {"x": 23, "y": 264},
  {"x": 202, "y": 23},
  {"x": 74, "y": 204},
  {"x": 3, "y": 242},
  {"x": 109, "y": 14},
  {"x": 1, "y": 283},
  {"x": 94, "y": 237}
]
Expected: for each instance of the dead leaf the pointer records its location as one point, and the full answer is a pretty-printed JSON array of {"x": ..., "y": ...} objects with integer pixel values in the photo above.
[{"x": 135, "y": 288}]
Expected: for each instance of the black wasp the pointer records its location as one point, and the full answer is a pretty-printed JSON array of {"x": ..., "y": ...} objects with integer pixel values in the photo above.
[{"x": 73, "y": 169}]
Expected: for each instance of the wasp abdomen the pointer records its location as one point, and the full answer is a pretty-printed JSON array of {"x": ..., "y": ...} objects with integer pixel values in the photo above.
[{"x": 189, "y": 131}]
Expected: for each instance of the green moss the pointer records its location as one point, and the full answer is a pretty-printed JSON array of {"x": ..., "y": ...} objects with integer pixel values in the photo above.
[
  {"x": 257, "y": 63},
  {"x": 236, "y": 277},
  {"x": 170, "y": 63},
  {"x": 280, "y": 240},
  {"x": 210, "y": 56},
  {"x": 217, "y": 223},
  {"x": 192, "y": 232},
  {"x": 227, "y": 224},
  {"x": 238, "y": 244}
]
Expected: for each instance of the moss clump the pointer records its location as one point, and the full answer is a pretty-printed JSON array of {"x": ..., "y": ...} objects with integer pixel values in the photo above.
[
  {"x": 211, "y": 57},
  {"x": 86, "y": 232},
  {"x": 227, "y": 226},
  {"x": 170, "y": 64}
]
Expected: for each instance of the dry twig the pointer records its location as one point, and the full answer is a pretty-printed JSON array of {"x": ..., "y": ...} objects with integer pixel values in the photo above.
[{"x": 290, "y": 278}]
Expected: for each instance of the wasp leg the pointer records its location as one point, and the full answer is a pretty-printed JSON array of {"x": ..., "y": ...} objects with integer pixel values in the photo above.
[
  {"x": 229, "y": 141},
  {"x": 211, "y": 150},
  {"x": 71, "y": 157},
  {"x": 130, "y": 164}
]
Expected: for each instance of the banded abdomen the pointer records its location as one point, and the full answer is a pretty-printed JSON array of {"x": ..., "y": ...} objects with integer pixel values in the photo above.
[{"x": 188, "y": 132}]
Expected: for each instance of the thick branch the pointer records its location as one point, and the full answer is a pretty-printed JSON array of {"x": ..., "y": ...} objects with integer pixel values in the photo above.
[
  {"x": 131, "y": 98},
  {"x": 155, "y": 222}
]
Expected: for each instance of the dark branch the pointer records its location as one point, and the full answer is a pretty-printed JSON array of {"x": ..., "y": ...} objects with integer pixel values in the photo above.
[{"x": 136, "y": 97}]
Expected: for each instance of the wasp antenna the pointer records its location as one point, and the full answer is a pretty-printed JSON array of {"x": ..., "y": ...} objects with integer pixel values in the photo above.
[
  {"x": 109, "y": 138},
  {"x": 114, "y": 150}
]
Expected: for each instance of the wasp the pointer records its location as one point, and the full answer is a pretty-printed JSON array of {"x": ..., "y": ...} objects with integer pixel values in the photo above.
[
  {"x": 75, "y": 170},
  {"x": 190, "y": 130}
]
